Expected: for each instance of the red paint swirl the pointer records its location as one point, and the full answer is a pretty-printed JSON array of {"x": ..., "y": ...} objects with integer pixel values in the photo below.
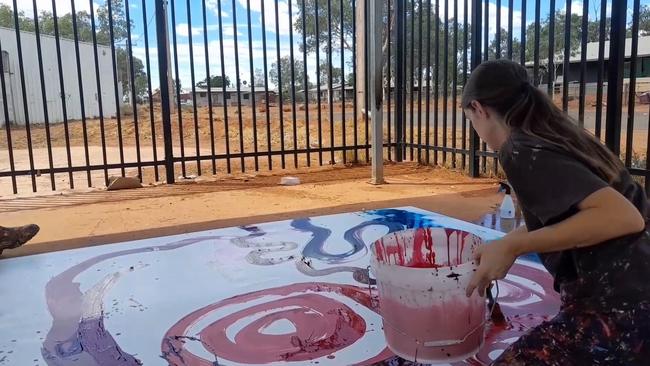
[{"x": 322, "y": 326}]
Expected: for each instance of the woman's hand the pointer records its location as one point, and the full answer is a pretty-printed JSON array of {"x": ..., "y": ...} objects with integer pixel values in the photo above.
[{"x": 495, "y": 260}]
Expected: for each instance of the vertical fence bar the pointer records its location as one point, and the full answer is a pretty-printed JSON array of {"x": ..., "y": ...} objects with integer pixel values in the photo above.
[
  {"x": 118, "y": 114},
  {"x": 583, "y": 62},
  {"x": 537, "y": 26},
  {"x": 454, "y": 87},
  {"x": 400, "y": 73},
  {"x": 209, "y": 86},
  {"x": 354, "y": 82},
  {"x": 330, "y": 90},
  {"x": 550, "y": 72},
  {"x": 293, "y": 87},
  {"x": 465, "y": 46},
  {"x": 486, "y": 51},
  {"x": 354, "y": 67},
  {"x": 389, "y": 76},
  {"x": 366, "y": 67},
  {"x": 420, "y": 35},
  {"x": 100, "y": 104},
  {"x": 629, "y": 132},
  {"x": 46, "y": 115},
  {"x": 320, "y": 121},
  {"x": 5, "y": 105},
  {"x": 238, "y": 87},
  {"x": 486, "y": 31},
  {"x": 134, "y": 96},
  {"x": 601, "y": 69},
  {"x": 197, "y": 142},
  {"x": 266, "y": 86},
  {"x": 145, "y": 22},
  {"x": 163, "y": 70},
  {"x": 376, "y": 64},
  {"x": 64, "y": 107},
  {"x": 497, "y": 37},
  {"x": 567, "y": 56},
  {"x": 177, "y": 84},
  {"x": 428, "y": 74},
  {"x": 224, "y": 88},
  {"x": 511, "y": 10},
  {"x": 615, "y": 76},
  {"x": 252, "y": 84},
  {"x": 445, "y": 84},
  {"x": 305, "y": 82},
  {"x": 522, "y": 56},
  {"x": 474, "y": 141},
  {"x": 30, "y": 150},
  {"x": 343, "y": 93},
  {"x": 412, "y": 82},
  {"x": 436, "y": 84}
]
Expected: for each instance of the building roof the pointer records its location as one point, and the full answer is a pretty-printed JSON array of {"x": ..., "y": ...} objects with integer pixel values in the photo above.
[
  {"x": 594, "y": 47},
  {"x": 232, "y": 90}
]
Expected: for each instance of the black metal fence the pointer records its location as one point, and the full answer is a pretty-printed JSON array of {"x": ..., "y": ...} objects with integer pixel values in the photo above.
[{"x": 167, "y": 90}]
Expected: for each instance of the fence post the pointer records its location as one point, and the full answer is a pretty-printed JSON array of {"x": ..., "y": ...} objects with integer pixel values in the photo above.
[
  {"x": 163, "y": 70},
  {"x": 615, "y": 76},
  {"x": 400, "y": 73},
  {"x": 376, "y": 82},
  {"x": 474, "y": 141}
]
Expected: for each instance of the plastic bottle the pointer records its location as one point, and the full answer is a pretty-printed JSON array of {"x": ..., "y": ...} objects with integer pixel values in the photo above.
[{"x": 507, "y": 209}]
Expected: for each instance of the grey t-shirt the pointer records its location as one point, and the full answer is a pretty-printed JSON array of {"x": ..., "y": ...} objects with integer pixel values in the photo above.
[{"x": 550, "y": 183}]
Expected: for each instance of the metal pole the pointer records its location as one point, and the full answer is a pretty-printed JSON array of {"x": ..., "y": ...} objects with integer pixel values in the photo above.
[
  {"x": 474, "y": 142},
  {"x": 163, "y": 67},
  {"x": 400, "y": 72},
  {"x": 615, "y": 77},
  {"x": 376, "y": 90}
]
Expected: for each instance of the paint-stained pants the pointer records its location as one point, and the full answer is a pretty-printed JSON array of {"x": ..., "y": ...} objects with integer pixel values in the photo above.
[{"x": 584, "y": 337}]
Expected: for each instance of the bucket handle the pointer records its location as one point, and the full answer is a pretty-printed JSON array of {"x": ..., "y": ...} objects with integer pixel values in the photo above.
[{"x": 450, "y": 342}]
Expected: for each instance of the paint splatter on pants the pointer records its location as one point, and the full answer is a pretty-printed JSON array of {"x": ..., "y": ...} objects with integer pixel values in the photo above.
[{"x": 584, "y": 337}]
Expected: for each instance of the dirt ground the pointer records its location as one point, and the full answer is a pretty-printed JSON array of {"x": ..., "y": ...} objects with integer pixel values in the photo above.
[{"x": 75, "y": 220}]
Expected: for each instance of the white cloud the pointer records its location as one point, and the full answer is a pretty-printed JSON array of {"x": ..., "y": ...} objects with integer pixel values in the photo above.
[
  {"x": 134, "y": 6},
  {"x": 212, "y": 5},
  {"x": 269, "y": 14}
]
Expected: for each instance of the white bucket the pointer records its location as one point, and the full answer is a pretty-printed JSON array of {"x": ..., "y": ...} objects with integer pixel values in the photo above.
[{"x": 422, "y": 275}]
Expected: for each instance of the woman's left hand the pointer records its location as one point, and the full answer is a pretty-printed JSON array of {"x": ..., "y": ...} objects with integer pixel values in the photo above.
[{"x": 495, "y": 260}]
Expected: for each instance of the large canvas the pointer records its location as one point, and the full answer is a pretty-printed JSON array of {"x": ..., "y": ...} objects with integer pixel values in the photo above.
[{"x": 293, "y": 292}]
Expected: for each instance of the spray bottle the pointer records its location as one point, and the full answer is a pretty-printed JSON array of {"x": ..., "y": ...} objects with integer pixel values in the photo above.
[{"x": 507, "y": 209}]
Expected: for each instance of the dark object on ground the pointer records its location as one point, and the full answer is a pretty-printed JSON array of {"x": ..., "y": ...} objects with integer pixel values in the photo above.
[{"x": 13, "y": 237}]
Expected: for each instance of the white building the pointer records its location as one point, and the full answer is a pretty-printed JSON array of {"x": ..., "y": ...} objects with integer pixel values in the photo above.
[
  {"x": 231, "y": 96},
  {"x": 51, "y": 76}
]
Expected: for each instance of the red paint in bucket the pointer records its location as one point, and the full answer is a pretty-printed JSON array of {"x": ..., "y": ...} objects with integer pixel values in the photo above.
[{"x": 422, "y": 275}]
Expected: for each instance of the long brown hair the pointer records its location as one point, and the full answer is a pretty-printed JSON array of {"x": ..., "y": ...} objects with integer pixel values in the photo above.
[{"x": 504, "y": 86}]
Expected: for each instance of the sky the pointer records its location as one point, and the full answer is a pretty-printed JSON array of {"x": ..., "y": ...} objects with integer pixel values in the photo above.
[{"x": 237, "y": 9}]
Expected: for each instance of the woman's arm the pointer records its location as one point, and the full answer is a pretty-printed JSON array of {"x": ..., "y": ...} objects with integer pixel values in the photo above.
[{"x": 603, "y": 215}]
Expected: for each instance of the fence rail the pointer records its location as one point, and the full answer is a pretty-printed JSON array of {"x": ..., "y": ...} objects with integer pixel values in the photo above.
[{"x": 162, "y": 89}]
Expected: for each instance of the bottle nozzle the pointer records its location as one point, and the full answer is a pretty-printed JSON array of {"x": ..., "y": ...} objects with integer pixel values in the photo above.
[{"x": 505, "y": 187}]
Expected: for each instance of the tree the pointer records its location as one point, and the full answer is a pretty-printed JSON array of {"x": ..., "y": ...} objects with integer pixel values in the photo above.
[
  {"x": 259, "y": 78},
  {"x": 324, "y": 74},
  {"x": 285, "y": 70},
  {"x": 215, "y": 82},
  {"x": 349, "y": 80},
  {"x": 124, "y": 73},
  {"x": 120, "y": 26},
  {"x": 323, "y": 34},
  {"x": 644, "y": 20}
]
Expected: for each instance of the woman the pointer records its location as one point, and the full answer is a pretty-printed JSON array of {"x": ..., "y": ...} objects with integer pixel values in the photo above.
[{"x": 585, "y": 217}]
